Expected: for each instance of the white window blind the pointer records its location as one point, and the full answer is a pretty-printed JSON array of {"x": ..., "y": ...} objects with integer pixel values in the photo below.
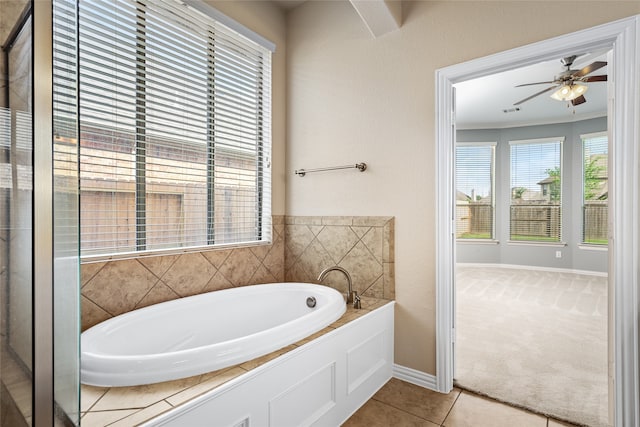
[
  {"x": 175, "y": 129},
  {"x": 536, "y": 190},
  {"x": 595, "y": 179},
  {"x": 475, "y": 190},
  {"x": 65, "y": 128}
]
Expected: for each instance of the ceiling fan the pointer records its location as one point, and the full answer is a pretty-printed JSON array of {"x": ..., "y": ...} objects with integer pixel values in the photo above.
[{"x": 570, "y": 84}]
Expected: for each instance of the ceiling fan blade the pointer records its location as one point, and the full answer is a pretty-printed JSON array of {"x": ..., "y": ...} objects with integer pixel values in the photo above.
[
  {"x": 602, "y": 78},
  {"x": 579, "y": 100},
  {"x": 535, "y": 94},
  {"x": 590, "y": 68},
  {"x": 537, "y": 83}
]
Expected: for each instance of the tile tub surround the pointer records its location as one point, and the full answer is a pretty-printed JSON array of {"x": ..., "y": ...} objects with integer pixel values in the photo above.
[
  {"x": 115, "y": 287},
  {"x": 364, "y": 246},
  {"x": 302, "y": 247},
  {"x": 130, "y": 406}
]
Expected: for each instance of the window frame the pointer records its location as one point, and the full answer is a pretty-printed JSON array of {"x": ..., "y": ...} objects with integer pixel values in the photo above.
[
  {"x": 493, "y": 145},
  {"x": 261, "y": 155},
  {"x": 538, "y": 141},
  {"x": 583, "y": 139}
]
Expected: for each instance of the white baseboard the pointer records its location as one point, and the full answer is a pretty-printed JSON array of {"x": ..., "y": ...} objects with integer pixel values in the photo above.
[
  {"x": 416, "y": 377},
  {"x": 531, "y": 267}
]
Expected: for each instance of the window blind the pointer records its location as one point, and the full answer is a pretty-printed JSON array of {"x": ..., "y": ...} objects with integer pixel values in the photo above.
[
  {"x": 65, "y": 129},
  {"x": 475, "y": 190},
  {"x": 175, "y": 129},
  {"x": 66, "y": 227},
  {"x": 595, "y": 180},
  {"x": 536, "y": 190}
]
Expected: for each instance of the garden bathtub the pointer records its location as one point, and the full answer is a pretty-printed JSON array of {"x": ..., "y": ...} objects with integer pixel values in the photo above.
[{"x": 203, "y": 333}]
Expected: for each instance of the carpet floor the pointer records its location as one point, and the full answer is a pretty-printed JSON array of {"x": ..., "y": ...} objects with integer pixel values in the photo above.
[{"x": 535, "y": 339}]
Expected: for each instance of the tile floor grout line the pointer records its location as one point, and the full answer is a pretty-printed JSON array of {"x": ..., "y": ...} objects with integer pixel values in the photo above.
[
  {"x": 451, "y": 409},
  {"x": 89, "y": 409},
  {"x": 546, "y": 419},
  {"x": 401, "y": 410},
  {"x": 516, "y": 406}
]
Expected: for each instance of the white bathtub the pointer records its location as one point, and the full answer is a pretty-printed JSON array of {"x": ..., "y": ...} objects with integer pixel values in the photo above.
[
  {"x": 203, "y": 333},
  {"x": 321, "y": 383}
]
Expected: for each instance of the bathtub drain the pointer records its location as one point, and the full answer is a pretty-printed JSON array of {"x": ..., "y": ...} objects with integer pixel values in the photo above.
[{"x": 311, "y": 302}]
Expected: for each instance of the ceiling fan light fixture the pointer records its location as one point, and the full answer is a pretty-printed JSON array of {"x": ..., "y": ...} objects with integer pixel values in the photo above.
[{"x": 568, "y": 92}]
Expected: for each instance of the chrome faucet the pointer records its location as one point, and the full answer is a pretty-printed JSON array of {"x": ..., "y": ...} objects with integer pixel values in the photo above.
[{"x": 352, "y": 296}]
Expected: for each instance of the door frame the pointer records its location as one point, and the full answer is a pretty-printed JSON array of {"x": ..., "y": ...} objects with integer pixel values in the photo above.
[{"x": 623, "y": 38}]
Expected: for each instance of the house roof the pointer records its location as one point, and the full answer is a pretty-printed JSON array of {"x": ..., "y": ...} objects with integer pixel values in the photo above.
[
  {"x": 461, "y": 197},
  {"x": 548, "y": 180}
]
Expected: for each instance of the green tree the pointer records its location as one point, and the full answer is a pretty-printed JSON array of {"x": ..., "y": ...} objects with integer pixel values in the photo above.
[
  {"x": 592, "y": 178},
  {"x": 554, "y": 187},
  {"x": 517, "y": 192}
]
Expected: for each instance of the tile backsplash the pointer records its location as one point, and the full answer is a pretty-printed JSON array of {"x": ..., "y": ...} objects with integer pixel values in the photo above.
[
  {"x": 361, "y": 245},
  {"x": 301, "y": 248}
]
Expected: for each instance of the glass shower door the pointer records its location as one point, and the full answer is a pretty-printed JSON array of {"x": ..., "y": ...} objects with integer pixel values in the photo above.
[
  {"x": 16, "y": 219},
  {"x": 66, "y": 264},
  {"x": 38, "y": 215}
]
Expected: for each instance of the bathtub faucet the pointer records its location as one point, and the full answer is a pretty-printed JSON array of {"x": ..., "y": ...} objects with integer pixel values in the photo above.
[{"x": 352, "y": 296}]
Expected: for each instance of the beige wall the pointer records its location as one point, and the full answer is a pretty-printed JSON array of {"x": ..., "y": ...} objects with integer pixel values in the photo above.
[
  {"x": 269, "y": 21},
  {"x": 352, "y": 98}
]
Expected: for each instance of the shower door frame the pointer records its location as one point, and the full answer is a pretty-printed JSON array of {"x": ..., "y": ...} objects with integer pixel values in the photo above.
[
  {"x": 24, "y": 23},
  {"x": 37, "y": 16},
  {"x": 623, "y": 38},
  {"x": 43, "y": 396}
]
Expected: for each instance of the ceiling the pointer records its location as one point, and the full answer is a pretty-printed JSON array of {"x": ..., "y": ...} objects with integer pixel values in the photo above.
[{"x": 481, "y": 102}]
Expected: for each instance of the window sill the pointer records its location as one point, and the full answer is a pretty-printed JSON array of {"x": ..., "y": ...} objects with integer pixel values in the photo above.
[
  {"x": 535, "y": 243},
  {"x": 478, "y": 241},
  {"x": 597, "y": 248},
  {"x": 176, "y": 251}
]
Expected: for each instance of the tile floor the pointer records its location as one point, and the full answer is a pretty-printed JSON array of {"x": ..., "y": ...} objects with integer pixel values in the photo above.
[{"x": 399, "y": 403}]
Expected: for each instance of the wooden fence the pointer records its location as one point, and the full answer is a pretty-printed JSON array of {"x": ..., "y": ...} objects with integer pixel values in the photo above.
[
  {"x": 596, "y": 221},
  {"x": 535, "y": 222},
  {"x": 474, "y": 220},
  {"x": 531, "y": 221},
  {"x": 174, "y": 218},
  {"x": 176, "y": 198}
]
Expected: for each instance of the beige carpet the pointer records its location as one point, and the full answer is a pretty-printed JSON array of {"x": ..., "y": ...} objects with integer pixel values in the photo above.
[{"x": 535, "y": 339}]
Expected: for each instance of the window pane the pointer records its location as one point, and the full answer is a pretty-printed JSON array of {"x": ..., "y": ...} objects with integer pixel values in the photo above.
[
  {"x": 175, "y": 129},
  {"x": 536, "y": 191},
  {"x": 238, "y": 165},
  {"x": 107, "y": 196},
  {"x": 474, "y": 191},
  {"x": 595, "y": 189},
  {"x": 107, "y": 128},
  {"x": 108, "y": 221},
  {"x": 176, "y": 193}
]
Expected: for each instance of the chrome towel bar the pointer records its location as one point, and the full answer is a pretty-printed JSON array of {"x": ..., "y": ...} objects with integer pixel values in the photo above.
[{"x": 360, "y": 166}]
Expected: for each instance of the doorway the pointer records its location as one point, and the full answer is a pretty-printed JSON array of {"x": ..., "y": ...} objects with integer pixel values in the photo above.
[
  {"x": 620, "y": 36},
  {"x": 531, "y": 238}
]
